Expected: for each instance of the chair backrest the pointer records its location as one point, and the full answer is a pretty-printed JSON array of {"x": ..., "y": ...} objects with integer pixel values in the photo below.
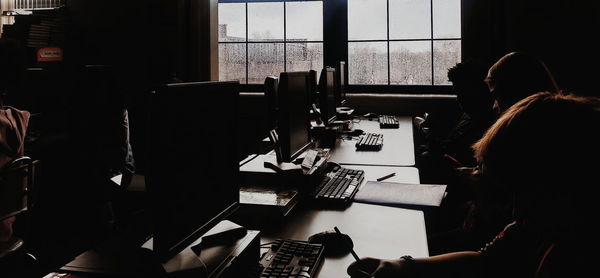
[{"x": 17, "y": 186}]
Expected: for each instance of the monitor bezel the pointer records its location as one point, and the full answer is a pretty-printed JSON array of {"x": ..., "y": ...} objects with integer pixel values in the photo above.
[
  {"x": 324, "y": 91},
  {"x": 288, "y": 155},
  {"x": 340, "y": 87},
  {"x": 167, "y": 250}
]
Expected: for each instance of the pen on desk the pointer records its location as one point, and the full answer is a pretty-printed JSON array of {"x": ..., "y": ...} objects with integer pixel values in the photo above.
[
  {"x": 361, "y": 267},
  {"x": 351, "y": 250},
  {"x": 386, "y": 177}
]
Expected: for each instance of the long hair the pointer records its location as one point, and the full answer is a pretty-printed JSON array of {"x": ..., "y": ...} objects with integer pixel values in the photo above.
[{"x": 545, "y": 149}]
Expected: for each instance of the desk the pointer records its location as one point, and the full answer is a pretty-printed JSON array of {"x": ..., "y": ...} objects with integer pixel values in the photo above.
[
  {"x": 398, "y": 146},
  {"x": 377, "y": 231}
]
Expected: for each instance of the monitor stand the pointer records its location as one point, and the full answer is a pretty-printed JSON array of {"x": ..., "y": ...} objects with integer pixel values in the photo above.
[
  {"x": 232, "y": 259},
  {"x": 228, "y": 259}
]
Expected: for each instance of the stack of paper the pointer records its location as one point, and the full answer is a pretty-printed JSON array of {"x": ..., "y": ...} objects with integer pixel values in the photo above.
[{"x": 401, "y": 194}]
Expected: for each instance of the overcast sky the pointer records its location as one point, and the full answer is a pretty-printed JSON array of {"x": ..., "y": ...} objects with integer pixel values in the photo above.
[{"x": 367, "y": 19}]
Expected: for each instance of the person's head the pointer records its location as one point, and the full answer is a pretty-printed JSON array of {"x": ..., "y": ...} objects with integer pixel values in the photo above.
[
  {"x": 545, "y": 150},
  {"x": 517, "y": 75},
  {"x": 468, "y": 82}
]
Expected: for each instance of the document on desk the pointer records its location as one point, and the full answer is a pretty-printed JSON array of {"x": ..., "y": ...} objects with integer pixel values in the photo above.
[{"x": 401, "y": 194}]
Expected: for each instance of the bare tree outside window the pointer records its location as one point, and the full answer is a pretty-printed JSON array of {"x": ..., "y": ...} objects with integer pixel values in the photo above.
[
  {"x": 258, "y": 39},
  {"x": 417, "y": 41},
  {"x": 370, "y": 62}
]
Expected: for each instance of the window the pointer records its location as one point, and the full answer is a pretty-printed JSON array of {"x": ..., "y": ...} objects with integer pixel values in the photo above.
[
  {"x": 262, "y": 38},
  {"x": 10, "y": 5},
  {"x": 403, "y": 42}
]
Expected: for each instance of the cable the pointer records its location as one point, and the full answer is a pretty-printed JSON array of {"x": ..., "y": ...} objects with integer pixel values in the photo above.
[{"x": 268, "y": 243}]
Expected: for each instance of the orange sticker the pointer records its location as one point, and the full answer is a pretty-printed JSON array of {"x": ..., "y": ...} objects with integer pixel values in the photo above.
[{"x": 49, "y": 54}]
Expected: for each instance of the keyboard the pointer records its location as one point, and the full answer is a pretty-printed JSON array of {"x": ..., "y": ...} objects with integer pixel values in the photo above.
[
  {"x": 339, "y": 186},
  {"x": 370, "y": 142},
  {"x": 388, "y": 121},
  {"x": 291, "y": 258}
]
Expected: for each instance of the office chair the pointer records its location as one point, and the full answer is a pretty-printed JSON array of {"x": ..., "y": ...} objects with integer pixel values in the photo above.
[{"x": 17, "y": 195}]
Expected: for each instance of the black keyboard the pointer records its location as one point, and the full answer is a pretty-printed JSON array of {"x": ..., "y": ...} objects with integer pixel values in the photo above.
[
  {"x": 291, "y": 258},
  {"x": 388, "y": 121},
  {"x": 370, "y": 142},
  {"x": 338, "y": 186}
]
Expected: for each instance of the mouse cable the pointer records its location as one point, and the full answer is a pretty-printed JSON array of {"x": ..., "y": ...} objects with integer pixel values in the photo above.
[{"x": 268, "y": 243}]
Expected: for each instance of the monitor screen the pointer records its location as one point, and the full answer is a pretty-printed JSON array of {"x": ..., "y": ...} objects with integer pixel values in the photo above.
[
  {"x": 271, "y": 86},
  {"x": 340, "y": 83},
  {"x": 327, "y": 98},
  {"x": 312, "y": 87},
  {"x": 293, "y": 127},
  {"x": 192, "y": 179}
]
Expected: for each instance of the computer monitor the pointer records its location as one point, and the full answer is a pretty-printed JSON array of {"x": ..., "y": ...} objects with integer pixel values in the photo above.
[
  {"x": 293, "y": 114},
  {"x": 192, "y": 178},
  {"x": 327, "y": 97},
  {"x": 340, "y": 83},
  {"x": 312, "y": 87},
  {"x": 271, "y": 86}
]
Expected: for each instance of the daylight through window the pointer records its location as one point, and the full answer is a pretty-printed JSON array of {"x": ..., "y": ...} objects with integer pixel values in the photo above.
[
  {"x": 258, "y": 39},
  {"x": 403, "y": 42}
]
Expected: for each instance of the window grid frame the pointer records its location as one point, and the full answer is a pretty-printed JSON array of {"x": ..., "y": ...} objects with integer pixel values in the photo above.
[
  {"x": 285, "y": 41},
  {"x": 388, "y": 40}
]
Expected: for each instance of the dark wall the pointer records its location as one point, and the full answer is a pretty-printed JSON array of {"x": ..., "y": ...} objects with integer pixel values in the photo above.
[
  {"x": 147, "y": 43},
  {"x": 559, "y": 32},
  {"x": 137, "y": 36}
]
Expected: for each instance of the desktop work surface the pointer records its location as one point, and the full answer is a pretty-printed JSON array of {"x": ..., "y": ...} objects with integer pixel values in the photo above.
[
  {"x": 397, "y": 150},
  {"x": 376, "y": 231}
]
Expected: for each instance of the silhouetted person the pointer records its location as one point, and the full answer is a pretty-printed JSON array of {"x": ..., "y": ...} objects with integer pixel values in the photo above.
[
  {"x": 528, "y": 155},
  {"x": 447, "y": 146},
  {"x": 517, "y": 75},
  {"x": 513, "y": 77},
  {"x": 453, "y": 227},
  {"x": 477, "y": 114}
]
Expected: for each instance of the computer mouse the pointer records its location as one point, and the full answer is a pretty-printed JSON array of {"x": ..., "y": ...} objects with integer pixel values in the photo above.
[
  {"x": 335, "y": 244},
  {"x": 333, "y": 166},
  {"x": 356, "y": 132}
]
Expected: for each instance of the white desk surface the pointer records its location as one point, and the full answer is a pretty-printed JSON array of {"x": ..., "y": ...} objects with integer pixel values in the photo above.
[
  {"x": 376, "y": 231},
  {"x": 398, "y": 146}
]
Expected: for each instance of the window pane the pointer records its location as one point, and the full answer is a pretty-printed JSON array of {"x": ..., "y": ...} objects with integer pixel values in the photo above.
[
  {"x": 410, "y": 63},
  {"x": 304, "y": 21},
  {"x": 367, "y": 63},
  {"x": 446, "y": 54},
  {"x": 264, "y": 59},
  {"x": 410, "y": 19},
  {"x": 446, "y": 19},
  {"x": 367, "y": 19},
  {"x": 304, "y": 56},
  {"x": 265, "y": 21},
  {"x": 232, "y": 22},
  {"x": 232, "y": 62}
]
